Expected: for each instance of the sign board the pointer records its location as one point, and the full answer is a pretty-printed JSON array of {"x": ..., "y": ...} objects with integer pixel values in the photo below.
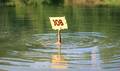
[{"x": 58, "y": 23}]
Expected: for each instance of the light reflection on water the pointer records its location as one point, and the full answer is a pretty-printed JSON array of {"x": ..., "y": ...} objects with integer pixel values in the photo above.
[
  {"x": 27, "y": 44},
  {"x": 58, "y": 60},
  {"x": 73, "y": 56}
]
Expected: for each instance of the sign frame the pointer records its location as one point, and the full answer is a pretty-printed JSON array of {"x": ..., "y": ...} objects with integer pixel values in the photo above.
[{"x": 58, "y": 23}]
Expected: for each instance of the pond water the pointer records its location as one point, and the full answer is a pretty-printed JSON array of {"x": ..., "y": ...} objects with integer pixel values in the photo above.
[{"x": 27, "y": 42}]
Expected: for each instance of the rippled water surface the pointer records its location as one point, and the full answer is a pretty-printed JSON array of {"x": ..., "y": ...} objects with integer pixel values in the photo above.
[
  {"x": 27, "y": 42},
  {"x": 79, "y": 51}
]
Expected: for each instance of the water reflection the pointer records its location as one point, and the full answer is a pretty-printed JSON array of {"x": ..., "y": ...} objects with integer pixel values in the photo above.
[
  {"x": 58, "y": 60},
  {"x": 95, "y": 61},
  {"x": 24, "y": 33}
]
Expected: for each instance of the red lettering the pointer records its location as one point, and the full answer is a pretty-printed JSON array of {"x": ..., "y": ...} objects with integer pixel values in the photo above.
[
  {"x": 55, "y": 22},
  {"x": 58, "y": 22}
]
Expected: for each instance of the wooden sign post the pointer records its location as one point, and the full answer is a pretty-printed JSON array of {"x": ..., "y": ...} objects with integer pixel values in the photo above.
[{"x": 58, "y": 23}]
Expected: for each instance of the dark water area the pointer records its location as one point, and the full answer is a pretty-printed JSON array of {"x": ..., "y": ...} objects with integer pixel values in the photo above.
[{"x": 27, "y": 41}]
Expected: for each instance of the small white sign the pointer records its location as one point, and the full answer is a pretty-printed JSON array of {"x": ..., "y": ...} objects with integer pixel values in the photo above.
[{"x": 58, "y": 23}]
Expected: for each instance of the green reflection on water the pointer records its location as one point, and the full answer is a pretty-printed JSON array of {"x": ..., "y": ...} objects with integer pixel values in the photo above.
[{"x": 18, "y": 24}]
